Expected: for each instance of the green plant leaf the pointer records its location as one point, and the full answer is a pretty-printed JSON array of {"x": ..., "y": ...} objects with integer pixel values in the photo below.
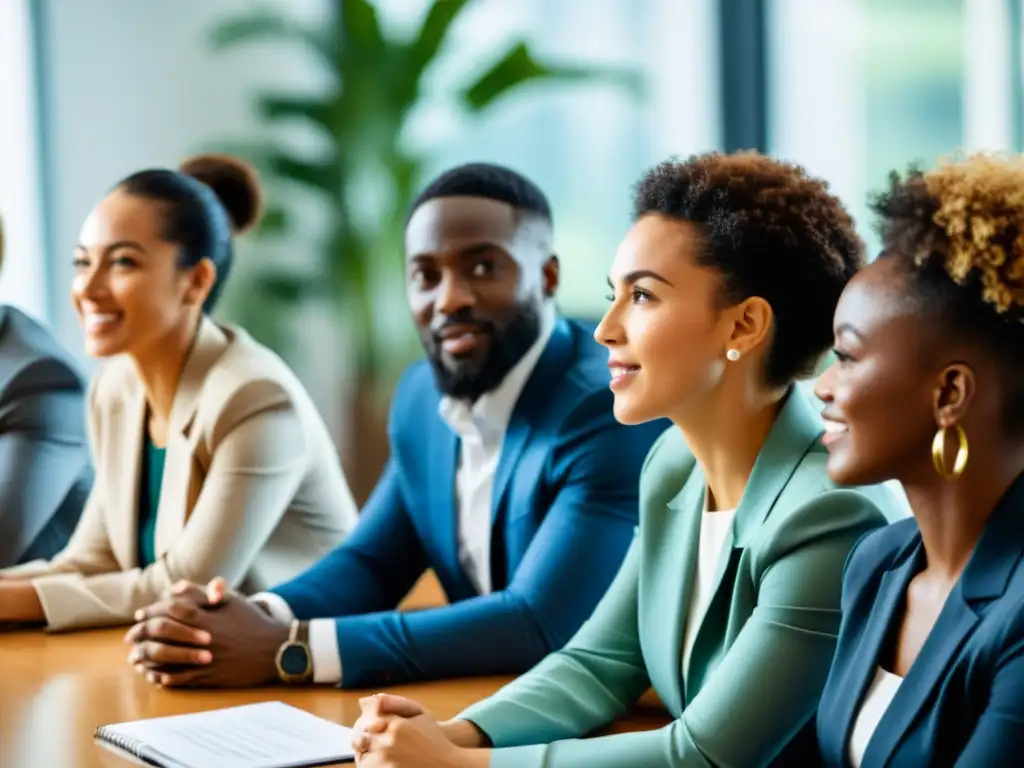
[
  {"x": 377, "y": 81},
  {"x": 264, "y": 24},
  {"x": 287, "y": 288},
  {"x": 274, "y": 221},
  {"x": 361, "y": 29},
  {"x": 519, "y": 66},
  {"x": 324, "y": 177},
  {"x": 432, "y": 35},
  {"x": 316, "y": 110}
]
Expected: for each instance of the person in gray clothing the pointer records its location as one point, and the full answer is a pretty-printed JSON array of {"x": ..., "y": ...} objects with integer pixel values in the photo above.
[{"x": 45, "y": 472}]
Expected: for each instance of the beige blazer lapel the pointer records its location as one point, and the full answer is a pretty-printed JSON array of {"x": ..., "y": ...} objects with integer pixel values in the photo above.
[
  {"x": 127, "y": 429},
  {"x": 181, "y": 484},
  {"x": 178, "y": 491},
  {"x": 210, "y": 343}
]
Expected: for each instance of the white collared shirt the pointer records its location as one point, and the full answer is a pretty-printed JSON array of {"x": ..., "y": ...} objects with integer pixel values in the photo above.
[
  {"x": 884, "y": 687},
  {"x": 715, "y": 545},
  {"x": 481, "y": 429}
]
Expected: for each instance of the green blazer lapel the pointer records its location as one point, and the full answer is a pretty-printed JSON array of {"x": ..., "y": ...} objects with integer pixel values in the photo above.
[
  {"x": 670, "y": 591},
  {"x": 794, "y": 433},
  {"x": 708, "y": 640}
]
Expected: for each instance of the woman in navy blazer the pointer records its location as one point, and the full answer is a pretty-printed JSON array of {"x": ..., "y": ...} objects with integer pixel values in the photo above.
[{"x": 928, "y": 388}]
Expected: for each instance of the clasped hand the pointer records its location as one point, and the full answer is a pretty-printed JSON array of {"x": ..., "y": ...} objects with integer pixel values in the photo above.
[
  {"x": 216, "y": 637},
  {"x": 395, "y": 732},
  {"x": 212, "y": 637}
]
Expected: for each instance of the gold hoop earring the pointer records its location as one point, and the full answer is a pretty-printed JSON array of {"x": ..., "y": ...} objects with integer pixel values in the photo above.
[{"x": 939, "y": 454}]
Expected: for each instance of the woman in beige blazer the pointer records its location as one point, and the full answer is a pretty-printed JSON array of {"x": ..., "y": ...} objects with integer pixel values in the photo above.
[{"x": 210, "y": 457}]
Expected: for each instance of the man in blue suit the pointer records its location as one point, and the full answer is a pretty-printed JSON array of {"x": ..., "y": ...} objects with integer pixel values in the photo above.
[{"x": 508, "y": 476}]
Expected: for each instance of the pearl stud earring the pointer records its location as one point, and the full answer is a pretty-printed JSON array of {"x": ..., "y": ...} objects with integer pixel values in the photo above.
[{"x": 732, "y": 355}]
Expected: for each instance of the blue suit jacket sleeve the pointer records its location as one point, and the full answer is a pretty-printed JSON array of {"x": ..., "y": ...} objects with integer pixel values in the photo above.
[
  {"x": 998, "y": 736},
  {"x": 372, "y": 570},
  {"x": 43, "y": 456},
  {"x": 566, "y": 569}
]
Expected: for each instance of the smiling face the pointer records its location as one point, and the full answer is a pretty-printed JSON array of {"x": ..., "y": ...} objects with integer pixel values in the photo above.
[
  {"x": 898, "y": 374},
  {"x": 664, "y": 333},
  {"x": 128, "y": 289},
  {"x": 477, "y": 274}
]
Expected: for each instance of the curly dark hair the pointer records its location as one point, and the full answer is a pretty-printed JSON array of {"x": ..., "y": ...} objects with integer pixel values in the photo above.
[
  {"x": 957, "y": 232},
  {"x": 771, "y": 231}
]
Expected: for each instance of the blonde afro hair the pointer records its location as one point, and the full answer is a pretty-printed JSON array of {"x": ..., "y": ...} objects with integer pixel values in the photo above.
[
  {"x": 958, "y": 233},
  {"x": 966, "y": 216}
]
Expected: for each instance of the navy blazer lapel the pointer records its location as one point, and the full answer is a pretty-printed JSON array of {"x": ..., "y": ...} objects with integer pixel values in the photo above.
[
  {"x": 865, "y": 658},
  {"x": 950, "y": 631},
  {"x": 443, "y": 456},
  {"x": 985, "y": 578},
  {"x": 525, "y": 419},
  {"x": 999, "y": 550}
]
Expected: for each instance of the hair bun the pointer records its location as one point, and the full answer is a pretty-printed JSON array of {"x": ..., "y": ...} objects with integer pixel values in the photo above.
[{"x": 235, "y": 183}]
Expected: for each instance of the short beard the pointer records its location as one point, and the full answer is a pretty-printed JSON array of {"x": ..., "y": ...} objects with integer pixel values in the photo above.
[{"x": 466, "y": 381}]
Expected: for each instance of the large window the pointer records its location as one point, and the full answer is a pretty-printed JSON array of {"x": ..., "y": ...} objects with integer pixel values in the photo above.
[
  {"x": 23, "y": 275},
  {"x": 854, "y": 88},
  {"x": 860, "y": 87}
]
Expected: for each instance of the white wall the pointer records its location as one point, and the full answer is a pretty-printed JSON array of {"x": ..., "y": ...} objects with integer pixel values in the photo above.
[
  {"x": 23, "y": 277},
  {"x": 130, "y": 84}
]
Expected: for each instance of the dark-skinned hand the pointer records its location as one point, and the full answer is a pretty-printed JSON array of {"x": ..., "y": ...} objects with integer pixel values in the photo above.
[{"x": 198, "y": 638}]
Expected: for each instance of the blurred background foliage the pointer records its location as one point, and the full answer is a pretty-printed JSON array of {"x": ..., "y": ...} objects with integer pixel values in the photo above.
[
  {"x": 377, "y": 82},
  {"x": 349, "y": 106}
]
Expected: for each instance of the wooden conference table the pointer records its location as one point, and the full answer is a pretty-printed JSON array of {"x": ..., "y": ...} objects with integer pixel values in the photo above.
[{"x": 55, "y": 690}]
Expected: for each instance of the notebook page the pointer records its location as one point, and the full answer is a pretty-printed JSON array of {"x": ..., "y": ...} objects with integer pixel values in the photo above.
[{"x": 266, "y": 735}]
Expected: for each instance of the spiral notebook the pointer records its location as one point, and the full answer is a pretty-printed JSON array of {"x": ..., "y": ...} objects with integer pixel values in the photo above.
[{"x": 266, "y": 735}]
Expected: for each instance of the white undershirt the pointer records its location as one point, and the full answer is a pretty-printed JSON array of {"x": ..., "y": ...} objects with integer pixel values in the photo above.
[
  {"x": 872, "y": 709},
  {"x": 715, "y": 543},
  {"x": 481, "y": 429}
]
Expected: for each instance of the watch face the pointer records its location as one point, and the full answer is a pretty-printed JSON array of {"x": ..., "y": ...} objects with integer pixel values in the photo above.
[{"x": 294, "y": 660}]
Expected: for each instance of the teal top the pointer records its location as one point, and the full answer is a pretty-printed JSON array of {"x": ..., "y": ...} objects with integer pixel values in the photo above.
[{"x": 151, "y": 479}]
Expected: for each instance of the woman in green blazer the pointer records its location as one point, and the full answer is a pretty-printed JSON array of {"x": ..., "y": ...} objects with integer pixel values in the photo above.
[{"x": 728, "y": 601}]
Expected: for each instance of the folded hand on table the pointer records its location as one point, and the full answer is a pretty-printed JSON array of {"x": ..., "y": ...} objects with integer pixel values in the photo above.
[
  {"x": 198, "y": 637},
  {"x": 395, "y": 732}
]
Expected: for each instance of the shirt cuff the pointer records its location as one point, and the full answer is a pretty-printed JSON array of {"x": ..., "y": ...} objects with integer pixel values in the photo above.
[
  {"x": 276, "y": 606},
  {"x": 323, "y": 645}
]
